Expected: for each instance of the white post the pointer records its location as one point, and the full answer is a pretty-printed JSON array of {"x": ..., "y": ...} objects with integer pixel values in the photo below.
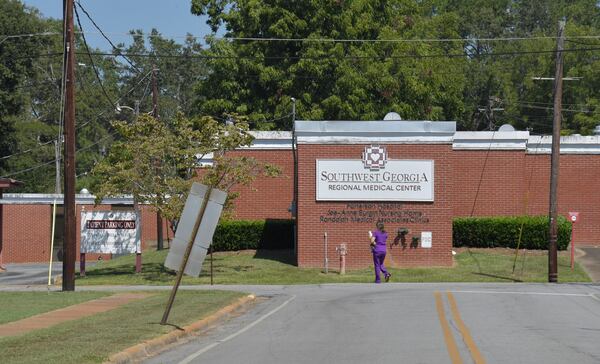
[
  {"x": 52, "y": 244},
  {"x": 326, "y": 260}
]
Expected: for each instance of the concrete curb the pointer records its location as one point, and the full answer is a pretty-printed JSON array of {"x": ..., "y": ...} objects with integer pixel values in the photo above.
[{"x": 154, "y": 346}]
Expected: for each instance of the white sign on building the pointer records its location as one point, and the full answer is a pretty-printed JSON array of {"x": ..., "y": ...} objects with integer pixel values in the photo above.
[
  {"x": 116, "y": 232},
  {"x": 374, "y": 178}
]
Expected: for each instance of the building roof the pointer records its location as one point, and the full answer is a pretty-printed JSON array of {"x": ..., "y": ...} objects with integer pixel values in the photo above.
[{"x": 389, "y": 131}]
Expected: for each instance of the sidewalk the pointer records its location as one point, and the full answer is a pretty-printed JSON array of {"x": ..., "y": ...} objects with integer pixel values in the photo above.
[
  {"x": 591, "y": 262},
  {"x": 69, "y": 313}
]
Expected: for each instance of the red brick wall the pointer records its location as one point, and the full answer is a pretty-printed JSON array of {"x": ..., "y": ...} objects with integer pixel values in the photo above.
[
  {"x": 512, "y": 183},
  {"x": 267, "y": 197},
  {"x": 311, "y": 229},
  {"x": 516, "y": 183},
  {"x": 26, "y": 235},
  {"x": 149, "y": 229},
  {"x": 27, "y": 232}
]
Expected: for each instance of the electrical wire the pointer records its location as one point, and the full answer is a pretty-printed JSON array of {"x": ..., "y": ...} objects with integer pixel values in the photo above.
[
  {"x": 417, "y": 40},
  {"x": 92, "y": 60},
  {"x": 582, "y": 43},
  {"x": 315, "y": 40},
  {"x": 477, "y": 195},
  {"x": 28, "y": 150},
  {"x": 54, "y": 160},
  {"x": 381, "y": 57},
  {"x": 549, "y": 108},
  {"x": 525, "y": 207},
  {"x": 78, "y": 126},
  {"x": 107, "y": 39},
  {"x": 26, "y": 35},
  {"x": 29, "y": 169}
]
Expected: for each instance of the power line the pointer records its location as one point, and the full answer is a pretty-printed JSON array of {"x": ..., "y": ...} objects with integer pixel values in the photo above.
[
  {"x": 26, "y": 35},
  {"x": 548, "y": 103},
  {"x": 78, "y": 126},
  {"x": 547, "y": 108},
  {"x": 28, "y": 150},
  {"x": 92, "y": 60},
  {"x": 382, "y": 57},
  {"x": 413, "y": 40},
  {"x": 107, "y": 39},
  {"x": 29, "y": 169},
  {"x": 54, "y": 160},
  {"x": 583, "y": 43},
  {"x": 313, "y": 40}
]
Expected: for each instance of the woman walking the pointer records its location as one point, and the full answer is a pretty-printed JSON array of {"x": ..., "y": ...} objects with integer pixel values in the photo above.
[{"x": 378, "y": 247}]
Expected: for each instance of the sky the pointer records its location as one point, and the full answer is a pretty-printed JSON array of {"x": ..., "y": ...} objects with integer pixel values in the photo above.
[{"x": 172, "y": 18}]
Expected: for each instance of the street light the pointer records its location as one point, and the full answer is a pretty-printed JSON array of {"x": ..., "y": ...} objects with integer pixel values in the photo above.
[{"x": 135, "y": 110}]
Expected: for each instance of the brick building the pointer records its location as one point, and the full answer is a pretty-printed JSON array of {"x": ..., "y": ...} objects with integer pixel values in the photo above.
[
  {"x": 473, "y": 174},
  {"x": 27, "y": 225}
]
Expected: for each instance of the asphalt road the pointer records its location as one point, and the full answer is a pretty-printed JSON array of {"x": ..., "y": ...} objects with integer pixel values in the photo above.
[
  {"x": 32, "y": 274},
  {"x": 28, "y": 274},
  {"x": 406, "y": 323}
]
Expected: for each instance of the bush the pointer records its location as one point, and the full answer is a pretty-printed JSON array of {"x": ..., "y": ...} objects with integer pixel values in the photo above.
[
  {"x": 492, "y": 232},
  {"x": 250, "y": 234}
]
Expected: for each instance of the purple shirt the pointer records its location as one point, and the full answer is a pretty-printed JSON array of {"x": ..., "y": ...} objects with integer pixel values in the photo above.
[{"x": 380, "y": 241}]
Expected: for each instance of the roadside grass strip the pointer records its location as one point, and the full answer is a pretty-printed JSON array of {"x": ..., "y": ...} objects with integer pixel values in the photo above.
[
  {"x": 278, "y": 267},
  {"x": 68, "y": 313},
  {"x": 93, "y": 339},
  {"x": 19, "y": 305}
]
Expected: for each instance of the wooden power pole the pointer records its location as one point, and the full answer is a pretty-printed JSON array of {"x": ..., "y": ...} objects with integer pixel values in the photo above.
[
  {"x": 554, "y": 167},
  {"x": 70, "y": 245},
  {"x": 159, "y": 221}
]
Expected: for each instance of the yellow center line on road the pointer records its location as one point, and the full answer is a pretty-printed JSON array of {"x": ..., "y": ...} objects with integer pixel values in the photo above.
[
  {"x": 475, "y": 354},
  {"x": 450, "y": 343}
]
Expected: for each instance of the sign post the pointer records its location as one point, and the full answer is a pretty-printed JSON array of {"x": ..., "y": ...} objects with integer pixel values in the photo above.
[
  {"x": 194, "y": 234},
  {"x": 574, "y": 216}
]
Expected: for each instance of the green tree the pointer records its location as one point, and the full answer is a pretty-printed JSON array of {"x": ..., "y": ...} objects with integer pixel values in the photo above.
[
  {"x": 454, "y": 80},
  {"x": 36, "y": 101},
  {"x": 179, "y": 68},
  {"x": 156, "y": 162},
  {"x": 331, "y": 80},
  {"x": 15, "y": 68},
  {"x": 503, "y": 71}
]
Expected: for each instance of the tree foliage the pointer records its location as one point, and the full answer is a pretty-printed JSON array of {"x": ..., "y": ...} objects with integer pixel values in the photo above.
[
  {"x": 412, "y": 75},
  {"x": 156, "y": 162},
  {"x": 430, "y": 59},
  {"x": 15, "y": 19}
]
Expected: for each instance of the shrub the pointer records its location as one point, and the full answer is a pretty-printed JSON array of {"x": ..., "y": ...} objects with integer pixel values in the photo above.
[
  {"x": 253, "y": 234},
  {"x": 492, "y": 232}
]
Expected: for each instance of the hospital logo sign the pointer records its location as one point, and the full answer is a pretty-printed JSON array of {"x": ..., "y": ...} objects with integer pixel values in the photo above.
[{"x": 374, "y": 157}]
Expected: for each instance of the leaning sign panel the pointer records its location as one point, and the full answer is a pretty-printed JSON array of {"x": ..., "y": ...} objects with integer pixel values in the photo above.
[
  {"x": 116, "y": 232},
  {"x": 374, "y": 178},
  {"x": 185, "y": 228}
]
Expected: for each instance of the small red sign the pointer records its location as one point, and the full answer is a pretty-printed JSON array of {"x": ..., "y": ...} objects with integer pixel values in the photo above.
[{"x": 574, "y": 216}]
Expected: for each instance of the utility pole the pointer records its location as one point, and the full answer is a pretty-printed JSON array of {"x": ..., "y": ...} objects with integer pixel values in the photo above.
[
  {"x": 554, "y": 166},
  {"x": 159, "y": 220},
  {"x": 70, "y": 245},
  {"x": 489, "y": 111}
]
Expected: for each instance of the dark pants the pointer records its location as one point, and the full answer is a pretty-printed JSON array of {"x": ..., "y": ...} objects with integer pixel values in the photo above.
[{"x": 378, "y": 259}]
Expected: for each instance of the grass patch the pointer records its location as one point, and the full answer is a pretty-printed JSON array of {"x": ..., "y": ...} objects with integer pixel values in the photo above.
[
  {"x": 19, "y": 305},
  {"x": 93, "y": 339},
  {"x": 479, "y": 265},
  {"x": 275, "y": 267}
]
